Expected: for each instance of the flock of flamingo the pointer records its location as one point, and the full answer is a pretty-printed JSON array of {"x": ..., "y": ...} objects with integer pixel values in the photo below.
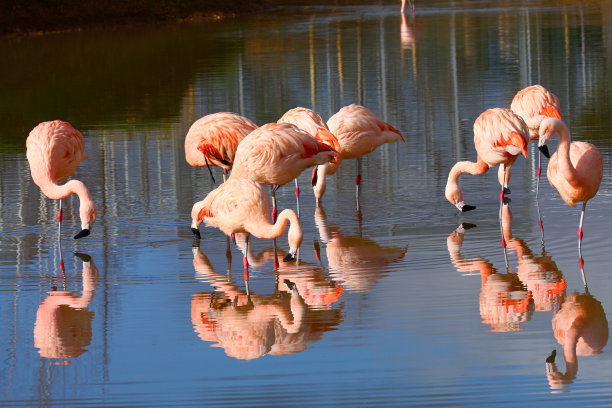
[{"x": 277, "y": 153}]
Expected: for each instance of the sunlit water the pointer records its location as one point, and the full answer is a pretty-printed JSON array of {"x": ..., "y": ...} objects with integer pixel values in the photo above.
[{"x": 400, "y": 306}]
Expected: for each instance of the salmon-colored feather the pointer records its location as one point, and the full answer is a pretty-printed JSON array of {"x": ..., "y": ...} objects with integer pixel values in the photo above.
[
  {"x": 533, "y": 104},
  {"x": 54, "y": 150},
  {"x": 214, "y": 139},
  {"x": 277, "y": 153}
]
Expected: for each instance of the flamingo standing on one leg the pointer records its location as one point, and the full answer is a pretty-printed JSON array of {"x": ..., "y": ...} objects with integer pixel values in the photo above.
[
  {"x": 277, "y": 153},
  {"x": 310, "y": 122},
  {"x": 575, "y": 169},
  {"x": 241, "y": 205},
  {"x": 359, "y": 131},
  {"x": 213, "y": 140},
  {"x": 54, "y": 150},
  {"x": 534, "y": 104}
]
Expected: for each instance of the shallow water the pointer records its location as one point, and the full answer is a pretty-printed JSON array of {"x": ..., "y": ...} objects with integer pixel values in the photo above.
[{"x": 399, "y": 307}]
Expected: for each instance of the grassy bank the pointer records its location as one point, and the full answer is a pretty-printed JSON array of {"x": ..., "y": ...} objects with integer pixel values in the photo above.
[{"x": 19, "y": 17}]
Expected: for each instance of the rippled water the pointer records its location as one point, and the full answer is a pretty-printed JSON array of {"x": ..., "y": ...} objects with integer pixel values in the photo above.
[{"x": 404, "y": 304}]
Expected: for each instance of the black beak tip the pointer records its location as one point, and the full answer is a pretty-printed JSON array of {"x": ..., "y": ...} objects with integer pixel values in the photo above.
[
  {"x": 83, "y": 257},
  {"x": 288, "y": 258},
  {"x": 544, "y": 150},
  {"x": 82, "y": 233},
  {"x": 196, "y": 232},
  {"x": 467, "y": 208}
]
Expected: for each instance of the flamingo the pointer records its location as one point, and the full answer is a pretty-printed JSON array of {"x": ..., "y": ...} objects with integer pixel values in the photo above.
[
  {"x": 277, "y": 153},
  {"x": 359, "y": 131},
  {"x": 500, "y": 136},
  {"x": 54, "y": 150},
  {"x": 241, "y": 205},
  {"x": 310, "y": 122},
  {"x": 533, "y": 104},
  {"x": 213, "y": 139},
  {"x": 575, "y": 169}
]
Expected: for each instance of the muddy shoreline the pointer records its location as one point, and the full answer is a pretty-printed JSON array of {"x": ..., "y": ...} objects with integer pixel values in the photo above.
[{"x": 39, "y": 16}]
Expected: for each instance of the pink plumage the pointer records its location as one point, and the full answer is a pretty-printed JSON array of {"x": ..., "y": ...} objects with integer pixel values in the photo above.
[
  {"x": 533, "y": 104},
  {"x": 54, "y": 150},
  {"x": 215, "y": 138}
]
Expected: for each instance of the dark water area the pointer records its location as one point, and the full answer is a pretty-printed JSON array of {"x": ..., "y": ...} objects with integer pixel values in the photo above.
[{"x": 407, "y": 303}]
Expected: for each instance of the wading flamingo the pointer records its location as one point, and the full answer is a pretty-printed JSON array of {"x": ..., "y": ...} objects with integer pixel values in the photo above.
[
  {"x": 575, "y": 169},
  {"x": 54, "y": 150},
  {"x": 499, "y": 137},
  {"x": 359, "y": 131},
  {"x": 313, "y": 124},
  {"x": 241, "y": 205},
  {"x": 213, "y": 139},
  {"x": 277, "y": 153},
  {"x": 534, "y": 104}
]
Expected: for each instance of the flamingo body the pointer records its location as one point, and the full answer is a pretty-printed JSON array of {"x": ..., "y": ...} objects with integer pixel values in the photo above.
[
  {"x": 213, "y": 139},
  {"x": 241, "y": 205},
  {"x": 54, "y": 151},
  {"x": 360, "y": 131},
  {"x": 533, "y": 104},
  {"x": 277, "y": 153},
  {"x": 500, "y": 136}
]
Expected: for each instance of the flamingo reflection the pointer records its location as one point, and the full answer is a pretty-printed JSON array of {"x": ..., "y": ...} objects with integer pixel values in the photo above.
[
  {"x": 63, "y": 322},
  {"x": 249, "y": 326},
  {"x": 504, "y": 300},
  {"x": 580, "y": 326},
  {"x": 354, "y": 261}
]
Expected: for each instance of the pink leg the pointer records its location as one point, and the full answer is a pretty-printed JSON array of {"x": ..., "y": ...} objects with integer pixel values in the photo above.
[{"x": 297, "y": 196}]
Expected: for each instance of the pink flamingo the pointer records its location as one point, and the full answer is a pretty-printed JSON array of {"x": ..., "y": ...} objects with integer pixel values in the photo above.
[
  {"x": 54, "y": 150},
  {"x": 213, "y": 140},
  {"x": 500, "y": 136},
  {"x": 359, "y": 131},
  {"x": 533, "y": 104},
  {"x": 575, "y": 169},
  {"x": 313, "y": 124},
  {"x": 277, "y": 153},
  {"x": 241, "y": 205}
]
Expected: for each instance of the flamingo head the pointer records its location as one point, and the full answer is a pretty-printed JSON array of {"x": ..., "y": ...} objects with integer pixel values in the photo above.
[
  {"x": 294, "y": 236},
  {"x": 88, "y": 213},
  {"x": 547, "y": 129},
  {"x": 197, "y": 218},
  {"x": 455, "y": 197}
]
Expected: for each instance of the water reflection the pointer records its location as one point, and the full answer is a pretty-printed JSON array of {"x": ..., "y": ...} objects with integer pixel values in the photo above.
[
  {"x": 505, "y": 302},
  {"x": 249, "y": 326},
  {"x": 63, "y": 320},
  {"x": 357, "y": 262},
  {"x": 581, "y": 328}
]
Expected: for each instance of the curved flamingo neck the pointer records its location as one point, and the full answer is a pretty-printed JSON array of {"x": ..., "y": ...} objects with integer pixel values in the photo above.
[
  {"x": 57, "y": 192},
  {"x": 563, "y": 152},
  {"x": 267, "y": 230},
  {"x": 453, "y": 191},
  {"x": 321, "y": 184}
]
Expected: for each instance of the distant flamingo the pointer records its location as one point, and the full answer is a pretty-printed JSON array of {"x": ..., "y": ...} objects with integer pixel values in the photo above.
[
  {"x": 575, "y": 169},
  {"x": 213, "y": 140},
  {"x": 359, "y": 131},
  {"x": 499, "y": 137},
  {"x": 313, "y": 124},
  {"x": 533, "y": 104},
  {"x": 241, "y": 205},
  {"x": 277, "y": 153},
  {"x": 54, "y": 150}
]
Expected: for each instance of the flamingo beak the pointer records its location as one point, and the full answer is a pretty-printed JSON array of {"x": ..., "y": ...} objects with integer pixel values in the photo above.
[
  {"x": 196, "y": 232},
  {"x": 82, "y": 233},
  {"x": 544, "y": 150},
  {"x": 290, "y": 257}
]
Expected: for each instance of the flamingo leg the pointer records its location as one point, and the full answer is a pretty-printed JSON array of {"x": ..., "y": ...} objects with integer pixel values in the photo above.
[
  {"x": 580, "y": 230},
  {"x": 297, "y": 196},
  {"x": 501, "y": 205},
  {"x": 245, "y": 260},
  {"x": 59, "y": 219},
  {"x": 274, "y": 209},
  {"x": 225, "y": 173},
  {"x": 358, "y": 183},
  {"x": 228, "y": 255}
]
